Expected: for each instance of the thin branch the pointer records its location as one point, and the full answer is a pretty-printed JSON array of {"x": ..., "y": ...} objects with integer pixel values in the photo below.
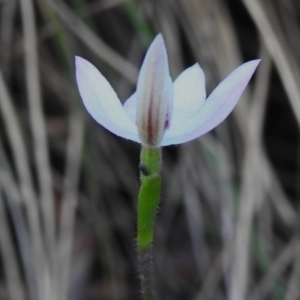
[
  {"x": 69, "y": 204},
  {"x": 251, "y": 188},
  {"x": 282, "y": 261},
  {"x": 9, "y": 256},
  {"x": 90, "y": 9},
  {"x": 26, "y": 185},
  {"x": 293, "y": 292},
  {"x": 14, "y": 203},
  {"x": 6, "y": 33},
  {"x": 278, "y": 52},
  {"x": 74, "y": 23},
  {"x": 39, "y": 132}
]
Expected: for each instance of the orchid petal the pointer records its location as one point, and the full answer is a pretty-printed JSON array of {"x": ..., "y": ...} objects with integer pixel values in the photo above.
[
  {"x": 154, "y": 94},
  {"x": 189, "y": 94},
  {"x": 102, "y": 102},
  {"x": 130, "y": 107},
  {"x": 215, "y": 109}
]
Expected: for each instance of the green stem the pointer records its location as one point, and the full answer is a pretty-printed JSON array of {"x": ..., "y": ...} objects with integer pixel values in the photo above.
[{"x": 148, "y": 201}]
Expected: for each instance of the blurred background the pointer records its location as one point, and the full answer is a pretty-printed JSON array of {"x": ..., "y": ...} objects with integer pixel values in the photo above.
[{"x": 228, "y": 225}]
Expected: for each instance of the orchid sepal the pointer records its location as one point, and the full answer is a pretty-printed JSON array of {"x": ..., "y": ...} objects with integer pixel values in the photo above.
[{"x": 154, "y": 95}]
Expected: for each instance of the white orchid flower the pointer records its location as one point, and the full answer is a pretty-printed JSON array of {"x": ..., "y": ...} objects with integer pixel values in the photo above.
[{"x": 160, "y": 112}]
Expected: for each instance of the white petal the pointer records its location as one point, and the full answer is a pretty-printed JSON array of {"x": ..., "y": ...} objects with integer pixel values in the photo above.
[
  {"x": 153, "y": 94},
  {"x": 102, "y": 102},
  {"x": 216, "y": 108},
  {"x": 130, "y": 107},
  {"x": 189, "y": 94}
]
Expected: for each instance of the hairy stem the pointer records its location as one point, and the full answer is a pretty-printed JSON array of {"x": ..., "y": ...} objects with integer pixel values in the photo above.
[
  {"x": 145, "y": 265},
  {"x": 147, "y": 205}
]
